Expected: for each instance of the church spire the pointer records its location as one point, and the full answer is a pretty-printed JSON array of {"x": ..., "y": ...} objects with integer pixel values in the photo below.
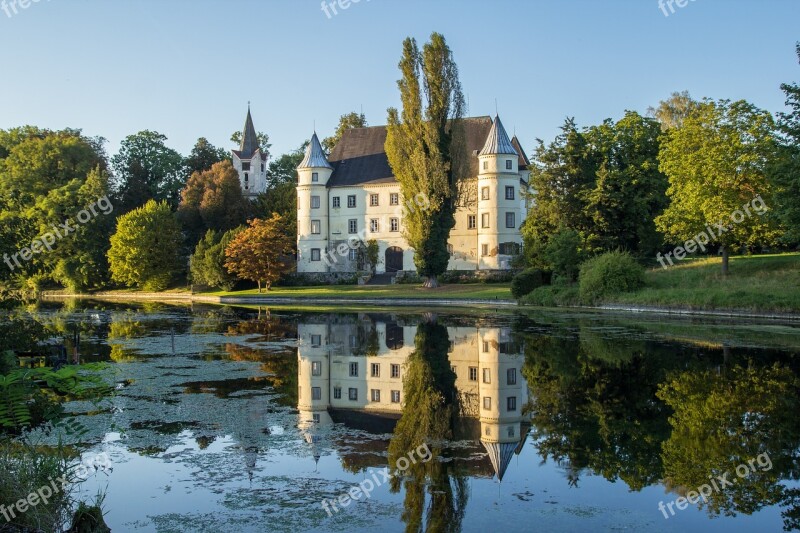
[
  {"x": 249, "y": 137},
  {"x": 315, "y": 155},
  {"x": 498, "y": 142}
]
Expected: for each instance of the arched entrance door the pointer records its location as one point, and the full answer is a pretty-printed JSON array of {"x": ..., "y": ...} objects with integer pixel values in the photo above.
[{"x": 394, "y": 259}]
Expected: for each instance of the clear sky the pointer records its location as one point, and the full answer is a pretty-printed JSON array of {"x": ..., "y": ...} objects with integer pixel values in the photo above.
[{"x": 188, "y": 68}]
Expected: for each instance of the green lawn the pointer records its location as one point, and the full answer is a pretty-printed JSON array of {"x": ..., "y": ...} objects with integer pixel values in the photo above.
[
  {"x": 494, "y": 291},
  {"x": 755, "y": 283}
]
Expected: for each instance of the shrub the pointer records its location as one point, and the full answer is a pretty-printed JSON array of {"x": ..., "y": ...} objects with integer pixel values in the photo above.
[
  {"x": 529, "y": 279},
  {"x": 564, "y": 253},
  {"x": 608, "y": 274}
]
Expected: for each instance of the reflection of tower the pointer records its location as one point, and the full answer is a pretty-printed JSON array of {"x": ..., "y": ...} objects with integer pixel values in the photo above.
[
  {"x": 313, "y": 394},
  {"x": 503, "y": 393}
]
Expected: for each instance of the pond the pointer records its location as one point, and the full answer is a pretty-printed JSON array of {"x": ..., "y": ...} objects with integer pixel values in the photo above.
[{"x": 237, "y": 419}]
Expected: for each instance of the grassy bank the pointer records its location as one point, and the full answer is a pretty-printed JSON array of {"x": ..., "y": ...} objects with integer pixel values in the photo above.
[
  {"x": 494, "y": 291},
  {"x": 765, "y": 283}
]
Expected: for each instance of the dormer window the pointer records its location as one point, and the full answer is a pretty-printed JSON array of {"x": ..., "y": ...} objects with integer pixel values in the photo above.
[{"x": 315, "y": 177}]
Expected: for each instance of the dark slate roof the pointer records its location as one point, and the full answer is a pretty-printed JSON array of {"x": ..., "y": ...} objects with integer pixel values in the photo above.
[
  {"x": 240, "y": 155},
  {"x": 249, "y": 139},
  {"x": 359, "y": 157},
  {"x": 524, "y": 162}
]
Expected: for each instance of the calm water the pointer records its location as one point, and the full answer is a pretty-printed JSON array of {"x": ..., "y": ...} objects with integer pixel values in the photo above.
[{"x": 233, "y": 419}]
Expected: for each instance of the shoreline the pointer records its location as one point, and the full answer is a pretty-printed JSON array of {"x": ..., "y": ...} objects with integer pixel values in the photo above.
[{"x": 168, "y": 297}]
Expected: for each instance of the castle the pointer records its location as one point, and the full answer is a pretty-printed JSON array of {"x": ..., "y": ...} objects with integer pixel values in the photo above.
[{"x": 352, "y": 196}]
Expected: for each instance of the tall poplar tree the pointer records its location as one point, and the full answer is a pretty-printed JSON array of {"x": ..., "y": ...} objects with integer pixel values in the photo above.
[{"x": 425, "y": 147}]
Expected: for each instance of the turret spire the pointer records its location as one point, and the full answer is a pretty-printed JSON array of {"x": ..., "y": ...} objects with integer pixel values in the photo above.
[
  {"x": 315, "y": 155},
  {"x": 249, "y": 137},
  {"x": 498, "y": 142}
]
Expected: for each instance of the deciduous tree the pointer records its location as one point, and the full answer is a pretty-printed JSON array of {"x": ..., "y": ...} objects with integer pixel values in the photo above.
[
  {"x": 262, "y": 252},
  {"x": 346, "y": 122}
]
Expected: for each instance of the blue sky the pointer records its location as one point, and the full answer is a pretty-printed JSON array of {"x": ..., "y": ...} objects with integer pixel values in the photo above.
[{"x": 188, "y": 68}]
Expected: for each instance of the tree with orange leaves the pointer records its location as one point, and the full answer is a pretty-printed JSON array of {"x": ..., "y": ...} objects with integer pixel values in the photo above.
[{"x": 262, "y": 252}]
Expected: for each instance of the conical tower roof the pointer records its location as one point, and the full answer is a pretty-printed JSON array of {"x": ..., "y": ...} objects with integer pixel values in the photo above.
[
  {"x": 500, "y": 454},
  {"x": 498, "y": 142},
  {"x": 315, "y": 155},
  {"x": 249, "y": 138}
]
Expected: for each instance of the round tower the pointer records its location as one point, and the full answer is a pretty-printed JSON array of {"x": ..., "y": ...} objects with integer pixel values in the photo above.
[
  {"x": 312, "y": 209},
  {"x": 499, "y": 216}
]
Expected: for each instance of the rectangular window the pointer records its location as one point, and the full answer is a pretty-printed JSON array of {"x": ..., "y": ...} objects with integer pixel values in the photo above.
[
  {"x": 337, "y": 393},
  {"x": 337, "y": 202},
  {"x": 510, "y": 431},
  {"x": 376, "y": 395},
  {"x": 485, "y": 346},
  {"x": 353, "y": 254},
  {"x": 395, "y": 371},
  {"x": 353, "y": 370},
  {"x": 246, "y": 166},
  {"x": 485, "y": 220},
  {"x": 315, "y": 418},
  {"x": 316, "y": 340},
  {"x": 487, "y": 375},
  {"x": 484, "y": 250},
  {"x": 316, "y": 393},
  {"x": 509, "y": 164},
  {"x": 455, "y": 370},
  {"x": 315, "y": 227},
  {"x": 352, "y": 394},
  {"x": 262, "y": 167},
  {"x": 315, "y": 254},
  {"x": 394, "y": 199},
  {"x": 352, "y": 226},
  {"x": 511, "y": 403},
  {"x": 351, "y": 200},
  {"x": 487, "y": 402},
  {"x": 485, "y": 165},
  {"x": 485, "y": 193},
  {"x": 472, "y": 221},
  {"x": 373, "y": 200},
  {"x": 511, "y": 221},
  {"x": 510, "y": 192},
  {"x": 353, "y": 341},
  {"x": 315, "y": 202},
  {"x": 511, "y": 376},
  {"x": 315, "y": 177},
  {"x": 473, "y": 373},
  {"x": 375, "y": 370},
  {"x": 394, "y": 224},
  {"x": 395, "y": 396},
  {"x": 374, "y": 227},
  {"x": 316, "y": 368}
]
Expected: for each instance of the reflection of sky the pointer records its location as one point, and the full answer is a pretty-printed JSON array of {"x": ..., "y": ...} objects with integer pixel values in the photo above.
[{"x": 258, "y": 472}]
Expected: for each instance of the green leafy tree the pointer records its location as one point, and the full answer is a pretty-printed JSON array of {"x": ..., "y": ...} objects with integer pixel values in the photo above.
[
  {"x": 564, "y": 253},
  {"x": 207, "y": 264},
  {"x": 717, "y": 162},
  {"x": 346, "y": 122},
  {"x": 146, "y": 169},
  {"x": 145, "y": 249},
  {"x": 786, "y": 174},
  {"x": 204, "y": 155},
  {"x": 424, "y": 144},
  {"x": 671, "y": 112}
]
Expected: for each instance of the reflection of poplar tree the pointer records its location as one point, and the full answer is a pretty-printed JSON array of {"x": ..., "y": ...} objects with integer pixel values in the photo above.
[{"x": 431, "y": 407}]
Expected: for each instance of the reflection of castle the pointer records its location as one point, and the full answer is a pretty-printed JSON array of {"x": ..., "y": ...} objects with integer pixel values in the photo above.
[{"x": 359, "y": 368}]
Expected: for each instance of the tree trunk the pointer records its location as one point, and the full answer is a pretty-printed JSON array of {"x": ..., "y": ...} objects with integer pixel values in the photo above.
[
  {"x": 259, "y": 286},
  {"x": 725, "y": 256},
  {"x": 431, "y": 282}
]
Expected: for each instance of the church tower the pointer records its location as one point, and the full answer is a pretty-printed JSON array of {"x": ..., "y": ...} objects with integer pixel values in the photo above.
[
  {"x": 250, "y": 162},
  {"x": 312, "y": 209},
  {"x": 499, "y": 215}
]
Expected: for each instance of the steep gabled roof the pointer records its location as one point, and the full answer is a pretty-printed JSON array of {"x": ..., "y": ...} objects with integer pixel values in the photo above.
[
  {"x": 315, "y": 155},
  {"x": 524, "y": 162},
  {"x": 498, "y": 143}
]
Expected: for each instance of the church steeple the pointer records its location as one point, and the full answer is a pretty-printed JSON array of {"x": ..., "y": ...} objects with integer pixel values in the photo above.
[{"x": 249, "y": 137}]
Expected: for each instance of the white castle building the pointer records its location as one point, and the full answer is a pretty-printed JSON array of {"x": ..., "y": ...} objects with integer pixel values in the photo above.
[
  {"x": 250, "y": 162},
  {"x": 353, "y": 197}
]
